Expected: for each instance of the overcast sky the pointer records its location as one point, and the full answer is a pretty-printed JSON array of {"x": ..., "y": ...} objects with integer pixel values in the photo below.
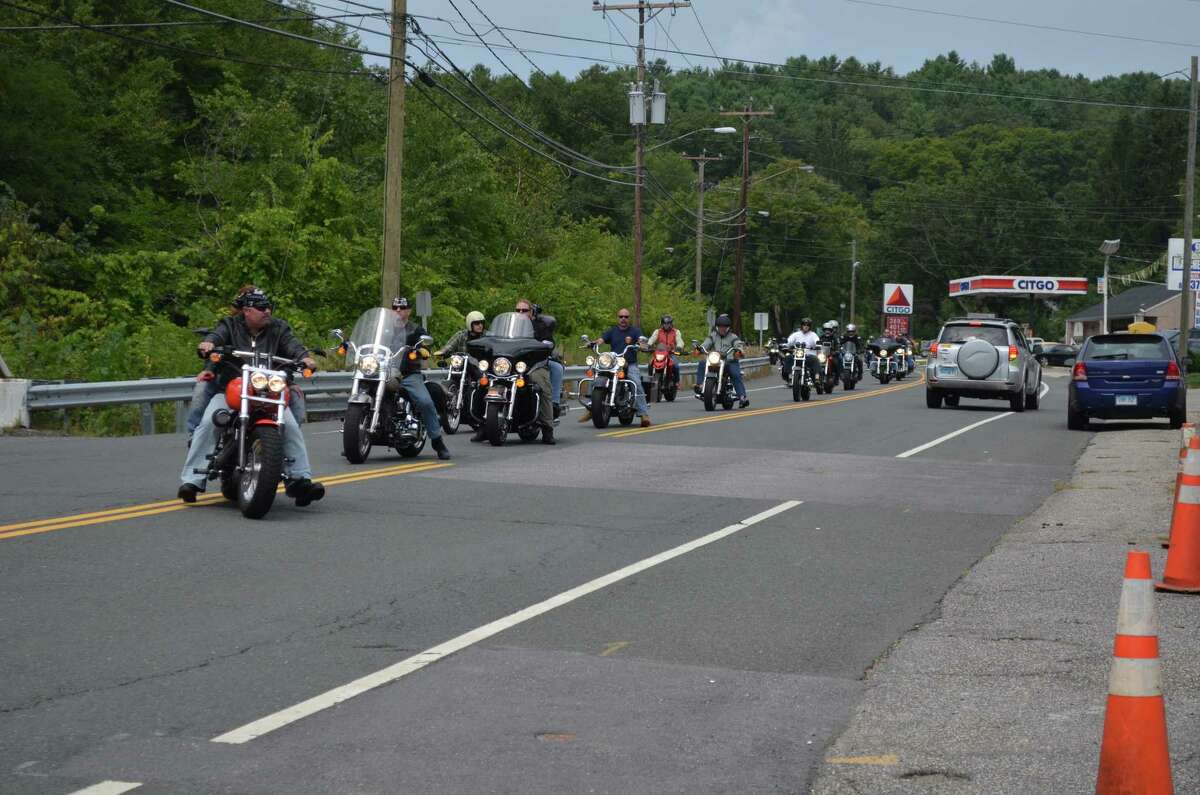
[{"x": 772, "y": 30}]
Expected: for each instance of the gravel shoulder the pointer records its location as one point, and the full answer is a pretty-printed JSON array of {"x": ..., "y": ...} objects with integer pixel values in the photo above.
[{"x": 1004, "y": 689}]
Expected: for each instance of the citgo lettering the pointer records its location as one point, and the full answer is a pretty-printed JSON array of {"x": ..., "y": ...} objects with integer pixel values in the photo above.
[{"x": 1036, "y": 284}]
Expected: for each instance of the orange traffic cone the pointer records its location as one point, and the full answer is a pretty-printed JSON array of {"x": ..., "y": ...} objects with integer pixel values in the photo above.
[
  {"x": 1189, "y": 463},
  {"x": 1134, "y": 759},
  {"x": 1182, "y": 574}
]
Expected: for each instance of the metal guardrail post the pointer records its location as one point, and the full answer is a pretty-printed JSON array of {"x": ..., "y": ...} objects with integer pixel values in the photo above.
[
  {"x": 147, "y": 419},
  {"x": 181, "y": 412}
]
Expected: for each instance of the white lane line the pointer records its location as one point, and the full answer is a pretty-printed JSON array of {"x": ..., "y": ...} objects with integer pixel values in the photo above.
[
  {"x": 781, "y": 386},
  {"x": 1042, "y": 391},
  {"x": 108, "y": 788},
  {"x": 393, "y": 672}
]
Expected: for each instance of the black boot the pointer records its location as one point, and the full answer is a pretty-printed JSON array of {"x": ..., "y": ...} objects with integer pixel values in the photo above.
[
  {"x": 188, "y": 492},
  {"x": 439, "y": 444},
  {"x": 548, "y": 435},
  {"x": 304, "y": 491},
  {"x": 480, "y": 434},
  {"x": 557, "y": 410}
]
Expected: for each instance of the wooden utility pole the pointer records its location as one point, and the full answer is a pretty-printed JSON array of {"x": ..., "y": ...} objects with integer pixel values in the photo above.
[
  {"x": 1186, "y": 296},
  {"x": 639, "y": 136},
  {"x": 739, "y": 262},
  {"x": 700, "y": 160},
  {"x": 389, "y": 282},
  {"x": 853, "y": 274}
]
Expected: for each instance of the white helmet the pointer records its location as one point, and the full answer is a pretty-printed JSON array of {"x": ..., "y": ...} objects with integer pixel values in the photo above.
[
  {"x": 851, "y": 328},
  {"x": 474, "y": 317},
  {"x": 828, "y": 325}
]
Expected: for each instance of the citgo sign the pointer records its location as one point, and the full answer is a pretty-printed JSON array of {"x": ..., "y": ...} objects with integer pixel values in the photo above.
[{"x": 1037, "y": 285}]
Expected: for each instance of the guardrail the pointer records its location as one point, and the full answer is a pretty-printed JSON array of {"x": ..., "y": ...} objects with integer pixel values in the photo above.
[{"x": 325, "y": 392}]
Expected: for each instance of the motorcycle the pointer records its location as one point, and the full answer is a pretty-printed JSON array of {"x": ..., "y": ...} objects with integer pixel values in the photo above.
[
  {"x": 506, "y": 354},
  {"x": 612, "y": 393},
  {"x": 664, "y": 374},
  {"x": 803, "y": 375},
  {"x": 775, "y": 350},
  {"x": 851, "y": 365},
  {"x": 462, "y": 380},
  {"x": 885, "y": 358},
  {"x": 718, "y": 383},
  {"x": 248, "y": 458},
  {"x": 376, "y": 351},
  {"x": 827, "y": 375}
]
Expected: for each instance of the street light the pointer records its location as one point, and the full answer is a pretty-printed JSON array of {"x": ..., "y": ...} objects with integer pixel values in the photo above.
[
  {"x": 853, "y": 279},
  {"x": 718, "y": 130},
  {"x": 1108, "y": 248}
]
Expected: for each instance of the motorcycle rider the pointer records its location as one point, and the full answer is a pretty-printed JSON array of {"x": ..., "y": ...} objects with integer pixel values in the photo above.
[
  {"x": 668, "y": 335},
  {"x": 804, "y": 337},
  {"x": 543, "y": 329},
  {"x": 410, "y": 333},
  {"x": 829, "y": 336},
  {"x": 722, "y": 339},
  {"x": 619, "y": 338},
  {"x": 542, "y": 377},
  {"x": 458, "y": 342},
  {"x": 851, "y": 335},
  {"x": 254, "y": 328},
  {"x": 909, "y": 361}
]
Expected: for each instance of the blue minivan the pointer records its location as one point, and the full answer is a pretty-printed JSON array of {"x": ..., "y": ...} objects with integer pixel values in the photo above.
[{"x": 1126, "y": 377}]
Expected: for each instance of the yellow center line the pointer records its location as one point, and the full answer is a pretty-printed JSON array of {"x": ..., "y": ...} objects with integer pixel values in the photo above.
[
  {"x": 168, "y": 506},
  {"x": 760, "y": 412},
  {"x": 885, "y": 759}
]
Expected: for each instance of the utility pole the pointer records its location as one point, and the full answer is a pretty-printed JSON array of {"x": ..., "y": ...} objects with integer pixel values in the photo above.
[
  {"x": 389, "y": 282},
  {"x": 853, "y": 274},
  {"x": 1186, "y": 296},
  {"x": 700, "y": 160},
  {"x": 639, "y": 131},
  {"x": 739, "y": 263}
]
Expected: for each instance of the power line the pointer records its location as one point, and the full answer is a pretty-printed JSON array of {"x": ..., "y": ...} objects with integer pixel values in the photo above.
[
  {"x": 149, "y": 25},
  {"x": 704, "y": 32}
]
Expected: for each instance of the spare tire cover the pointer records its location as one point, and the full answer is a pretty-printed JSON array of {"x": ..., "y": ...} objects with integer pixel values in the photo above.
[{"x": 978, "y": 359}]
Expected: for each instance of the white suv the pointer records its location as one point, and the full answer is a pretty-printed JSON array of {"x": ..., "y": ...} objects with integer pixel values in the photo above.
[{"x": 988, "y": 359}]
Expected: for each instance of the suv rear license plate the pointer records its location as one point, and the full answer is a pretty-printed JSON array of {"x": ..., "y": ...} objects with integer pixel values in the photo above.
[
  {"x": 948, "y": 370},
  {"x": 1126, "y": 400}
]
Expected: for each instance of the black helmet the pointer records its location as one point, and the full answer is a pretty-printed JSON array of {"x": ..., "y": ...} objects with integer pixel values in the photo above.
[
  {"x": 535, "y": 310},
  {"x": 667, "y": 320},
  {"x": 400, "y": 302},
  {"x": 723, "y": 320},
  {"x": 806, "y": 321},
  {"x": 255, "y": 298}
]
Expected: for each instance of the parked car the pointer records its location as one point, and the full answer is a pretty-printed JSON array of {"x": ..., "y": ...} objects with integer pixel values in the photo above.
[
  {"x": 1126, "y": 377},
  {"x": 982, "y": 359},
  {"x": 925, "y": 346},
  {"x": 1172, "y": 336},
  {"x": 1056, "y": 354}
]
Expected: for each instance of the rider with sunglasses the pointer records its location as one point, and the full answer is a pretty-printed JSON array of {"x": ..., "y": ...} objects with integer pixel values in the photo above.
[
  {"x": 620, "y": 337},
  {"x": 544, "y": 378}
]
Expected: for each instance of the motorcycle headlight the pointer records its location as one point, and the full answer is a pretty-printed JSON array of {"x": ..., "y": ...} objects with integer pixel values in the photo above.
[
  {"x": 620, "y": 361},
  {"x": 714, "y": 357},
  {"x": 590, "y": 361},
  {"x": 660, "y": 356},
  {"x": 456, "y": 361},
  {"x": 483, "y": 365},
  {"x": 908, "y": 351},
  {"x": 502, "y": 367},
  {"x": 820, "y": 357},
  {"x": 368, "y": 365},
  {"x": 258, "y": 380},
  {"x": 607, "y": 361},
  {"x": 522, "y": 367},
  {"x": 883, "y": 353},
  {"x": 276, "y": 383}
]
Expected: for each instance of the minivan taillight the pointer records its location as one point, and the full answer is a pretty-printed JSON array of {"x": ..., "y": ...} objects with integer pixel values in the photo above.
[
  {"x": 1080, "y": 372},
  {"x": 1172, "y": 371}
]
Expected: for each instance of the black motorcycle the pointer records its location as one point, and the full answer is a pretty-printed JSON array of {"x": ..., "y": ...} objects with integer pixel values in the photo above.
[
  {"x": 886, "y": 358},
  {"x": 852, "y": 368},
  {"x": 827, "y": 367},
  {"x": 802, "y": 376},
  {"x": 376, "y": 351},
  {"x": 611, "y": 392},
  {"x": 717, "y": 383},
  {"x": 248, "y": 458},
  {"x": 460, "y": 386},
  {"x": 506, "y": 354}
]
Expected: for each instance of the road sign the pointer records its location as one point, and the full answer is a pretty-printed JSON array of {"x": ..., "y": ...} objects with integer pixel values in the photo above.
[
  {"x": 897, "y": 299},
  {"x": 760, "y": 321},
  {"x": 424, "y": 303},
  {"x": 895, "y": 325},
  {"x": 1001, "y": 285},
  {"x": 1175, "y": 258},
  {"x": 1100, "y": 285}
]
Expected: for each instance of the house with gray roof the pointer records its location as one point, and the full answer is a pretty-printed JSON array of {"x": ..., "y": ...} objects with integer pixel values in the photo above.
[{"x": 1151, "y": 303}]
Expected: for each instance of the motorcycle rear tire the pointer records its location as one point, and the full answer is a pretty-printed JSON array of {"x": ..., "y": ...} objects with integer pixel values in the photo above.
[
  {"x": 495, "y": 424},
  {"x": 530, "y": 433},
  {"x": 356, "y": 433},
  {"x": 727, "y": 403},
  {"x": 884, "y": 378},
  {"x": 229, "y": 487},
  {"x": 601, "y": 411},
  {"x": 709, "y": 395},
  {"x": 626, "y": 419},
  {"x": 805, "y": 392},
  {"x": 264, "y": 469},
  {"x": 847, "y": 384}
]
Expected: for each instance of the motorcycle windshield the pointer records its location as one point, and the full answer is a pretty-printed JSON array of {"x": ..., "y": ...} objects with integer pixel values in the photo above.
[
  {"x": 376, "y": 326},
  {"x": 849, "y": 347},
  {"x": 512, "y": 326}
]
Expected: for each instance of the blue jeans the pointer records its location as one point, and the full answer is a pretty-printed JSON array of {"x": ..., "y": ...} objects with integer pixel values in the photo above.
[
  {"x": 204, "y": 441},
  {"x": 557, "y": 371},
  {"x": 639, "y": 396},
  {"x": 418, "y": 393},
  {"x": 734, "y": 367}
]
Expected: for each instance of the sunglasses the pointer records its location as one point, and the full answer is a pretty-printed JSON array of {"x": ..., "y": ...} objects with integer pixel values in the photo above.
[
  {"x": 622, "y": 317},
  {"x": 522, "y": 311}
]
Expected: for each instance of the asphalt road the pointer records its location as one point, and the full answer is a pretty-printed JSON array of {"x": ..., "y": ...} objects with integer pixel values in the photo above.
[{"x": 773, "y": 555}]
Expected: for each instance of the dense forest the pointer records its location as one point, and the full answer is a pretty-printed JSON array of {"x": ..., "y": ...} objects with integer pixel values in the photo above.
[{"x": 147, "y": 172}]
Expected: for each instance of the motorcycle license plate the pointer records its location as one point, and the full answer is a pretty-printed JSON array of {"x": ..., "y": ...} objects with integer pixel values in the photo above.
[{"x": 1126, "y": 400}]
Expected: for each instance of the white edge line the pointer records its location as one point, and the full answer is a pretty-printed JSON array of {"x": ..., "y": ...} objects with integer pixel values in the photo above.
[
  {"x": 108, "y": 788},
  {"x": 1043, "y": 390},
  {"x": 407, "y": 666},
  {"x": 952, "y": 434}
]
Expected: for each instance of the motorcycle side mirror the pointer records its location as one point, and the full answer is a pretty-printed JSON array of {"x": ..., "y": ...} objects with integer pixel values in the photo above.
[
  {"x": 426, "y": 340},
  {"x": 584, "y": 338},
  {"x": 643, "y": 340},
  {"x": 336, "y": 334}
]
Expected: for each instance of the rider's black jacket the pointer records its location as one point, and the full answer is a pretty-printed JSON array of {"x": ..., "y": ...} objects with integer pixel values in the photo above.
[
  {"x": 409, "y": 334},
  {"x": 276, "y": 338}
]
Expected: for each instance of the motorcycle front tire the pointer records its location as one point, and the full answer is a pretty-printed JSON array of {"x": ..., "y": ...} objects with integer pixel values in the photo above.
[
  {"x": 495, "y": 424},
  {"x": 601, "y": 411},
  {"x": 356, "y": 433},
  {"x": 797, "y": 390},
  {"x": 710, "y": 394},
  {"x": 264, "y": 469},
  {"x": 452, "y": 418}
]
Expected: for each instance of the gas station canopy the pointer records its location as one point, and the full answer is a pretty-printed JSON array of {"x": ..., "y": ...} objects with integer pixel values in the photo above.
[{"x": 1019, "y": 285}]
